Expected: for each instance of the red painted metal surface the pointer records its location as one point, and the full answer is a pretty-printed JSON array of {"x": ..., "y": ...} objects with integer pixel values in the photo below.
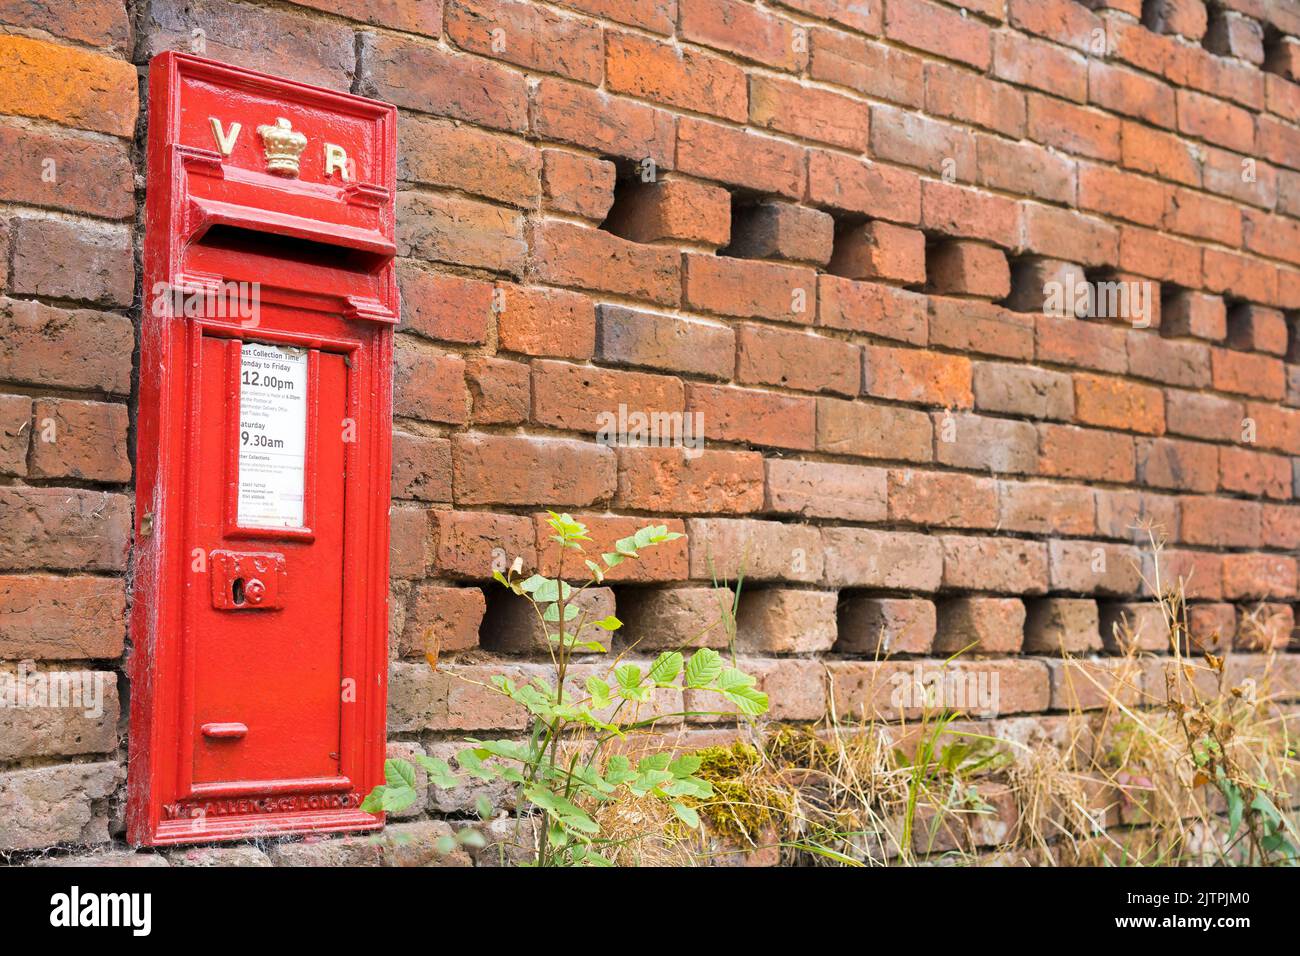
[{"x": 259, "y": 619}]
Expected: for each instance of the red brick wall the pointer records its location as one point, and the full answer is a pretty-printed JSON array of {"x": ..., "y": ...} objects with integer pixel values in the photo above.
[{"x": 826, "y": 226}]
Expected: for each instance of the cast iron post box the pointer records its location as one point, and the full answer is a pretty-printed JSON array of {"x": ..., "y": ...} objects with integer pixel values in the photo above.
[{"x": 259, "y": 622}]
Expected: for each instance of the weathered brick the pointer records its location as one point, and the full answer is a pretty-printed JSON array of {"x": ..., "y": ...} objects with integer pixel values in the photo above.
[
  {"x": 1006, "y": 565},
  {"x": 1260, "y": 576},
  {"x": 82, "y": 440},
  {"x": 886, "y": 626},
  {"x": 983, "y": 443},
  {"x": 444, "y": 153},
  {"x": 1069, "y": 452},
  {"x": 1045, "y": 508},
  {"x": 444, "y": 307},
  {"x": 869, "y": 67},
  {"x": 48, "y": 617},
  {"x": 65, "y": 259},
  {"x": 72, "y": 173},
  {"x": 869, "y": 430},
  {"x": 421, "y": 467},
  {"x": 587, "y": 399},
  {"x": 798, "y": 360},
  {"x": 942, "y": 499},
  {"x": 1254, "y": 473},
  {"x": 284, "y": 42},
  {"x": 779, "y": 230},
  {"x": 727, "y": 155},
  {"x": 970, "y": 325},
  {"x": 858, "y": 186},
  {"x": 500, "y": 391},
  {"x": 577, "y": 184},
  {"x": 939, "y": 30},
  {"x": 754, "y": 417},
  {"x": 1022, "y": 390},
  {"x": 571, "y": 255},
  {"x": 915, "y": 375},
  {"x": 515, "y": 469},
  {"x": 689, "y": 481},
  {"x": 1219, "y": 522},
  {"x": 1247, "y": 373},
  {"x": 1257, "y": 329},
  {"x": 980, "y": 625},
  {"x": 676, "y": 209},
  {"x": 68, "y": 85},
  {"x": 652, "y": 340},
  {"x": 724, "y": 548},
  {"x": 473, "y": 544},
  {"x": 441, "y": 620},
  {"x": 865, "y": 558},
  {"x": 826, "y": 490},
  {"x": 549, "y": 322},
  {"x": 785, "y": 621},
  {"x": 969, "y": 268},
  {"x": 428, "y": 384},
  {"x": 875, "y": 309},
  {"x": 808, "y": 112},
  {"x": 424, "y": 77},
  {"x": 1117, "y": 403},
  {"x": 1182, "y": 465},
  {"x": 44, "y": 806},
  {"x": 1091, "y": 567},
  {"x": 536, "y": 38},
  {"x": 1062, "y": 626},
  {"x": 880, "y": 250},
  {"x": 671, "y": 618},
  {"x": 460, "y": 231},
  {"x": 64, "y": 529},
  {"x": 610, "y": 125},
  {"x": 739, "y": 28}
]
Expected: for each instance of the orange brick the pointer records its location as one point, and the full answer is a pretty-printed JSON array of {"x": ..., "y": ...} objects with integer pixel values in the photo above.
[
  {"x": 673, "y": 209},
  {"x": 916, "y": 375},
  {"x": 880, "y": 250},
  {"x": 68, "y": 85},
  {"x": 1118, "y": 404}
]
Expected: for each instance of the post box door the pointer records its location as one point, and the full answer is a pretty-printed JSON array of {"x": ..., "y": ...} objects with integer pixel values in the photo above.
[{"x": 268, "y": 630}]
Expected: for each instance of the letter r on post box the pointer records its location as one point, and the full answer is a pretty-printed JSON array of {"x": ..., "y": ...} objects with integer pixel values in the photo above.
[{"x": 239, "y": 725}]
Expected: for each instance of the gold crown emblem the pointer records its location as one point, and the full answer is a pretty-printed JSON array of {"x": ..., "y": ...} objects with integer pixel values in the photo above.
[{"x": 283, "y": 145}]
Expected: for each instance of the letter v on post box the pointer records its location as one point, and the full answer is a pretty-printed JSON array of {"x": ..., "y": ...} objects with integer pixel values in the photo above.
[{"x": 259, "y": 616}]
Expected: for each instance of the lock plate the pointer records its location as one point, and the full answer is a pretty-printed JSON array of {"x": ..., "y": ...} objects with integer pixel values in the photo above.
[{"x": 243, "y": 581}]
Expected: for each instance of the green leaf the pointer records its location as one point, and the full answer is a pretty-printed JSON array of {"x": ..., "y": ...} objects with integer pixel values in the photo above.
[
  {"x": 704, "y": 665},
  {"x": 568, "y": 815},
  {"x": 748, "y": 701},
  {"x": 686, "y": 815},
  {"x": 685, "y": 765},
  {"x": 595, "y": 570},
  {"x": 610, "y": 623},
  {"x": 374, "y": 801},
  {"x": 468, "y": 837},
  {"x": 732, "y": 679},
  {"x": 399, "y": 773},
  {"x": 599, "y": 691},
  {"x": 439, "y": 771},
  {"x": 483, "y": 807},
  {"x": 472, "y": 763},
  {"x": 666, "y": 667}
]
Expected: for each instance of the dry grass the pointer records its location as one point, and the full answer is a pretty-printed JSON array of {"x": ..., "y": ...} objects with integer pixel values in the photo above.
[{"x": 1169, "y": 759}]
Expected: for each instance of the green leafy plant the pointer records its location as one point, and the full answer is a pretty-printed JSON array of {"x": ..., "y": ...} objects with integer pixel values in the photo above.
[{"x": 567, "y": 765}]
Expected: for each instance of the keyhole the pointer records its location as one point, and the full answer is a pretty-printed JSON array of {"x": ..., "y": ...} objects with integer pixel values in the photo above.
[{"x": 237, "y": 591}]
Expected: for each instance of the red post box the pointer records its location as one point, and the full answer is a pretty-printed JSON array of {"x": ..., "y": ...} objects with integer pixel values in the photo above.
[{"x": 259, "y": 622}]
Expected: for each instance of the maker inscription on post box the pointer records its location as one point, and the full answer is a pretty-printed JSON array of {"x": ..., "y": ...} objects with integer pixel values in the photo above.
[{"x": 259, "y": 620}]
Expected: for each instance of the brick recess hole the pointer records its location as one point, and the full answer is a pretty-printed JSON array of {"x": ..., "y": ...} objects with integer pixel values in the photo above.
[
  {"x": 879, "y": 251},
  {"x": 676, "y": 210}
]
